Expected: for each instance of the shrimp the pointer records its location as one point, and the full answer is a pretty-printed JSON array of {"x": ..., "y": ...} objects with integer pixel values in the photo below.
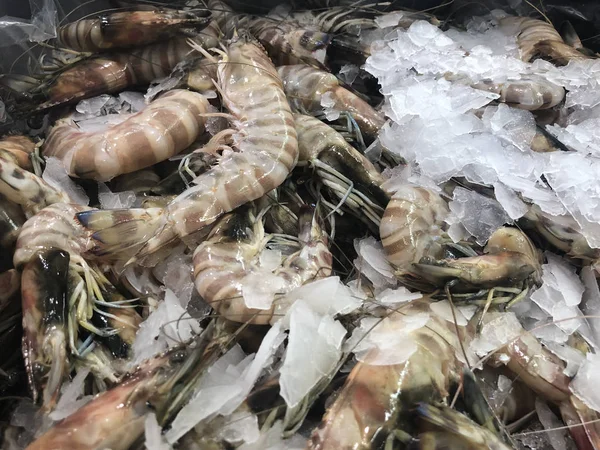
[
  {"x": 90, "y": 295},
  {"x": 375, "y": 406},
  {"x": 25, "y": 188},
  {"x": 341, "y": 167},
  {"x": 44, "y": 302},
  {"x": 305, "y": 86},
  {"x": 510, "y": 257},
  {"x": 115, "y": 419},
  {"x": 289, "y": 43},
  {"x": 266, "y": 147},
  {"x": 543, "y": 372},
  {"x": 413, "y": 227},
  {"x": 21, "y": 148},
  {"x": 106, "y": 74},
  {"x": 413, "y": 233},
  {"x": 530, "y": 94},
  {"x": 128, "y": 29},
  {"x": 167, "y": 126},
  {"x": 537, "y": 37},
  {"x": 227, "y": 265},
  {"x": 563, "y": 232}
]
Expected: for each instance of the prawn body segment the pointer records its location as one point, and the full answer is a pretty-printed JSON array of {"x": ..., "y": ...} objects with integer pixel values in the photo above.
[
  {"x": 107, "y": 74},
  {"x": 126, "y": 29},
  {"x": 167, "y": 126},
  {"x": 305, "y": 86},
  {"x": 225, "y": 263}
]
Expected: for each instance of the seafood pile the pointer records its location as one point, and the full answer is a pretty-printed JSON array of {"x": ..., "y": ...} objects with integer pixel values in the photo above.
[{"x": 324, "y": 226}]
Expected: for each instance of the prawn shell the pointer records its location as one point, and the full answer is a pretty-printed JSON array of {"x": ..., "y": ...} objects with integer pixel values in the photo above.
[
  {"x": 110, "y": 73},
  {"x": 167, "y": 126},
  {"x": 126, "y": 29}
]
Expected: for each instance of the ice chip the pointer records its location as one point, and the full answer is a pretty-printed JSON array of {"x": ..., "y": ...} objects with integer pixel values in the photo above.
[
  {"x": 509, "y": 200},
  {"x": 72, "y": 396},
  {"x": 115, "y": 200},
  {"x": 56, "y": 176},
  {"x": 499, "y": 329},
  {"x": 313, "y": 351},
  {"x": 348, "y": 73},
  {"x": 132, "y": 101},
  {"x": 585, "y": 383},
  {"x": 553, "y": 426},
  {"x": 480, "y": 215},
  {"x": 153, "y": 434}
]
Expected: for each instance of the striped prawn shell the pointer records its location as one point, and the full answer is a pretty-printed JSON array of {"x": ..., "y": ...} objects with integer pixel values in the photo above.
[
  {"x": 305, "y": 86},
  {"x": 52, "y": 227},
  {"x": 412, "y": 226},
  {"x": 164, "y": 128},
  {"x": 124, "y": 29},
  {"x": 222, "y": 263},
  {"x": 527, "y": 93},
  {"x": 25, "y": 188},
  {"x": 265, "y": 141},
  {"x": 536, "y": 36},
  {"x": 107, "y": 74},
  {"x": 288, "y": 43},
  {"x": 21, "y": 147}
]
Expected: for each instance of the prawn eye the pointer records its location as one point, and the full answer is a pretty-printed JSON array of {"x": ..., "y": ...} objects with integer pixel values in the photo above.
[
  {"x": 178, "y": 356},
  {"x": 35, "y": 122}
]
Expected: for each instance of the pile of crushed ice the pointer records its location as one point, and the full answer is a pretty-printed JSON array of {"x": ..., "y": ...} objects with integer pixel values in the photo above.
[{"x": 438, "y": 123}]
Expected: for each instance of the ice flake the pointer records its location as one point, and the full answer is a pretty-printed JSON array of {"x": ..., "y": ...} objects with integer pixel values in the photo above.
[
  {"x": 114, "y": 200},
  {"x": 387, "y": 341},
  {"x": 560, "y": 293},
  {"x": 517, "y": 126},
  {"x": 554, "y": 427},
  {"x": 585, "y": 383},
  {"x": 56, "y": 176},
  {"x": 512, "y": 204},
  {"x": 153, "y": 434},
  {"x": 226, "y": 384},
  {"x": 480, "y": 215},
  {"x": 373, "y": 264},
  {"x": 591, "y": 303},
  {"x": 397, "y": 296},
  {"x": 348, "y": 73},
  {"x": 272, "y": 439},
  {"x": 313, "y": 351},
  {"x": 499, "y": 329},
  {"x": 71, "y": 397},
  {"x": 240, "y": 427},
  {"x": 259, "y": 288},
  {"x": 443, "y": 309},
  {"x": 168, "y": 326}
]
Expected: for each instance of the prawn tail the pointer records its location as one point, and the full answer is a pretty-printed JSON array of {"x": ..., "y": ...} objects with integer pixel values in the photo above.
[{"x": 121, "y": 230}]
